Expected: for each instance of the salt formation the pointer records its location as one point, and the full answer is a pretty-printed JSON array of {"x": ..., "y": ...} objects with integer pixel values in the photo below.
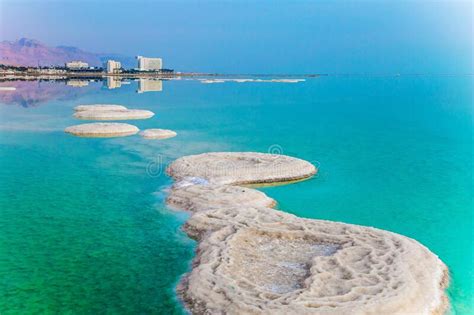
[
  {"x": 210, "y": 81},
  {"x": 256, "y": 260},
  {"x": 102, "y": 130},
  {"x": 99, "y": 107},
  {"x": 203, "y": 197},
  {"x": 253, "y": 259},
  {"x": 115, "y": 114},
  {"x": 157, "y": 134},
  {"x": 239, "y": 168},
  {"x": 188, "y": 181}
]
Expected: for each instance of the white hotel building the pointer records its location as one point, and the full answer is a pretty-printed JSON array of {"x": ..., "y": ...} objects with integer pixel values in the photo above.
[
  {"x": 149, "y": 64},
  {"x": 76, "y": 64},
  {"x": 113, "y": 66}
]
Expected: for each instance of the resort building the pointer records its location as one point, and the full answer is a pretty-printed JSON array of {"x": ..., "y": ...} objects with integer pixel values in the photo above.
[
  {"x": 113, "y": 66},
  {"x": 149, "y": 64},
  {"x": 148, "y": 85},
  {"x": 77, "y": 65}
]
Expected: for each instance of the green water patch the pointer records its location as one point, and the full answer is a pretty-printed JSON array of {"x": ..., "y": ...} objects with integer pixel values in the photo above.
[{"x": 78, "y": 238}]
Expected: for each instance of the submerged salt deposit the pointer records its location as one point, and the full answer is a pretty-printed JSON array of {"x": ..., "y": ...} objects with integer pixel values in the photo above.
[
  {"x": 253, "y": 259},
  {"x": 158, "y": 134},
  {"x": 212, "y": 81},
  {"x": 102, "y": 130},
  {"x": 249, "y": 80}
]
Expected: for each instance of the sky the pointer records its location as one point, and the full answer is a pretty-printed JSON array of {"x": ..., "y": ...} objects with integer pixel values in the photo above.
[{"x": 260, "y": 36}]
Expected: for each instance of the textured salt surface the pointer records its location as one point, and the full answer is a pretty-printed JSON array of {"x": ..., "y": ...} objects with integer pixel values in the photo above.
[
  {"x": 99, "y": 107},
  {"x": 203, "y": 197},
  {"x": 102, "y": 130},
  {"x": 279, "y": 264},
  {"x": 241, "y": 167},
  {"x": 256, "y": 260},
  {"x": 188, "y": 181},
  {"x": 157, "y": 134},
  {"x": 259, "y": 260},
  {"x": 113, "y": 114}
]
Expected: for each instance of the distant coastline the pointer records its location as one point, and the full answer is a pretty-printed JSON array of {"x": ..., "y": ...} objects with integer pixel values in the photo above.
[
  {"x": 36, "y": 74},
  {"x": 32, "y": 73},
  {"x": 8, "y": 72}
]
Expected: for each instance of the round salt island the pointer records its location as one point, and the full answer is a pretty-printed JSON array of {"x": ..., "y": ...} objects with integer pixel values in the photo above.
[
  {"x": 119, "y": 114},
  {"x": 157, "y": 134},
  {"x": 239, "y": 168},
  {"x": 102, "y": 130},
  {"x": 257, "y": 260},
  {"x": 99, "y": 107}
]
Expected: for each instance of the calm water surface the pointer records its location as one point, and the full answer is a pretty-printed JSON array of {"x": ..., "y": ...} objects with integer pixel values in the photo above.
[{"x": 83, "y": 226}]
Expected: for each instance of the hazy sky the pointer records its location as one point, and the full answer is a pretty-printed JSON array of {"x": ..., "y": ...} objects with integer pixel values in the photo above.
[{"x": 315, "y": 36}]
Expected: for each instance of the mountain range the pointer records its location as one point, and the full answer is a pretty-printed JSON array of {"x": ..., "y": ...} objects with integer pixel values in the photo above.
[{"x": 30, "y": 52}]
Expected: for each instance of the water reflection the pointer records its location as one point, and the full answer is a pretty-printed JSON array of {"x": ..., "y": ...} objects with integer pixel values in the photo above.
[
  {"x": 77, "y": 83},
  {"x": 35, "y": 93},
  {"x": 113, "y": 82},
  {"x": 32, "y": 93},
  {"x": 149, "y": 85}
]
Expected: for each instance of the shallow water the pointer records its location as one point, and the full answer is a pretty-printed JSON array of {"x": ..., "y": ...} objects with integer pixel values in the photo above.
[{"x": 83, "y": 224}]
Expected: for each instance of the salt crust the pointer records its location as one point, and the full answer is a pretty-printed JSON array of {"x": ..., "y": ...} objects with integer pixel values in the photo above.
[
  {"x": 203, "y": 197},
  {"x": 99, "y": 107},
  {"x": 253, "y": 259},
  {"x": 257, "y": 260},
  {"x": 116, "y": 114},
  {"x": 102, "y": 130},
  {"x": 239, "y": 168}
]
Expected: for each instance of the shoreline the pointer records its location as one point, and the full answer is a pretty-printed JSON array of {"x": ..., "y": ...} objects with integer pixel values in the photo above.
[
  {"x": 29, "y": 75},
  {"x": 94, "y": 75},
  {"x": 11, "y": 76}
]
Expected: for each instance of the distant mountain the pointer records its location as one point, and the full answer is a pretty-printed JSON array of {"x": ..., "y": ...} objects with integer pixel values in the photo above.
[{"x": 30, "y": 52}]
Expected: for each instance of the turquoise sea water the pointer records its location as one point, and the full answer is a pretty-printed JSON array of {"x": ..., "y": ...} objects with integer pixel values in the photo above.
[{"x": 83, "y": 226}]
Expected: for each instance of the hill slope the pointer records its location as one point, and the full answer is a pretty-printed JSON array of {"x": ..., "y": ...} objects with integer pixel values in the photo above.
[{"x": 30, "y": 52}]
